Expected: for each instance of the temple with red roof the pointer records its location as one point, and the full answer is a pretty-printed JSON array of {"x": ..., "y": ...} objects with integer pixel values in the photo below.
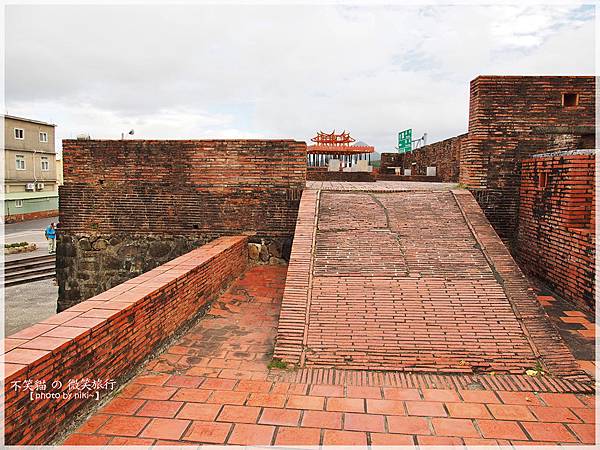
[{"x": 332, "y": 146}]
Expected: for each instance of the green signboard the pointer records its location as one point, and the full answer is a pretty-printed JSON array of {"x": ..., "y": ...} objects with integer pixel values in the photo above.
[{"x": 405, "y": 141}]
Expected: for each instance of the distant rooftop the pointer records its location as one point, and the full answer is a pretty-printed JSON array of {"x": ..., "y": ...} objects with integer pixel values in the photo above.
[{"x": 7, "y": 116}]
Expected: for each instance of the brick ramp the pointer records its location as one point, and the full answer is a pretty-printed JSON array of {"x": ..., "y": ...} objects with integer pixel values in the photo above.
[{"x": 409, "y": 281}]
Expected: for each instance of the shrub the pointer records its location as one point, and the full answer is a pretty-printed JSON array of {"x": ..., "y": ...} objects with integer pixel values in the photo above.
[{"x": 16, "y": 244}]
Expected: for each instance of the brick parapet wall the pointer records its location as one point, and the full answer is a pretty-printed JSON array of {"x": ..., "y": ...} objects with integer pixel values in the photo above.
[
  {"x": 109, "y": 335},
  {"x": 544, "y": 338},
  {"x": 295, "y": 304},
  {"x": 389, "y": 160},
  {"x": 510, "y": 119},
  {"x": 414, "y": 178},
  {"x": 444, "y": 155},
  {"x": 340, "y": 176},
  {"x": 184, "y": 187},
  {"x": 130, "y": 205},
  {"x": 556, "y": 235}
]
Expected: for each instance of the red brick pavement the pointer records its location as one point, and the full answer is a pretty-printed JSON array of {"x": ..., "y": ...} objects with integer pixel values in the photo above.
[
  {"x": 415, "y": 281},
  {"x": 576, "y": 327},
  {"x": 214, "y": 386}
]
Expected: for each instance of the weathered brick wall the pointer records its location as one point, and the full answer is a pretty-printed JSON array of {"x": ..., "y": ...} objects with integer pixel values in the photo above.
[
  {"x": 444, "y": 155},
  {"x": 419, "y": 178},
  {"x": 109, "y": 335},
  {"x": 129, "y": 205},
  {"x": 340, "y": 176},
  {"x": 390, "y": 160},
  {"x": 510, "y": 119},
  {"x": 556, "y": 238}
]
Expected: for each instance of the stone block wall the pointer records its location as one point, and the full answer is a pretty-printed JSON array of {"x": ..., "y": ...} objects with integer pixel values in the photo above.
[
  {"x": 130, "y": 205},
  {"x": 556, "y": 237},
  {"x": 107, "y": 337},
  {"x": 510, "y": 119}
]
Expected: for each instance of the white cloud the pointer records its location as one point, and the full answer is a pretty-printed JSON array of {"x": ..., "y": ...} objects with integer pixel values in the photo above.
[{"x": 276, "y": 71}]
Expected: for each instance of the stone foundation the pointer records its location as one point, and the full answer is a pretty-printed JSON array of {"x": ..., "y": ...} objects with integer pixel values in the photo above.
[
  {"x": 88, "y": 264},
  {"x": 117, "y": 222},
  {"x": 270, "y": 251}
]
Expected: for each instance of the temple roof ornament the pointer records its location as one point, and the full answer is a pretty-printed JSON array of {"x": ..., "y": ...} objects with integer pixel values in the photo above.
[
  {"x": 332, "y": 143},
  {"x": 343, "y": 138}
]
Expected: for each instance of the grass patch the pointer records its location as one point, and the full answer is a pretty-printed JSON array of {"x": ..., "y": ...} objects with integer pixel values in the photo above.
[
  {"x": 16, "y": 244},
  {"x": 277, "y": 363}
]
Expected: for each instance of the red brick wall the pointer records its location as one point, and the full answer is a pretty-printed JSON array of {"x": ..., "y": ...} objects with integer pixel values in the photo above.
[
  {"x": 128, "y": 206},
  {"x": 556, "y": 238},
  {"x": 444, "y": 155},
  {"x": 182, "y": 186},
  {"x": 390, "y": 160},
  {"x": 414, "y": 178},
  {"x": 339, "y": 176},
  {"x": 109, "y": 335},
  {"x": 296, "y": 297},
  {"x": 510, "y": 119}
]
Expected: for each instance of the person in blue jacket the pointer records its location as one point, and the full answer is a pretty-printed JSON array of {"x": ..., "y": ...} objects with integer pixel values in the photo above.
[{"x": 51, "y": 237}]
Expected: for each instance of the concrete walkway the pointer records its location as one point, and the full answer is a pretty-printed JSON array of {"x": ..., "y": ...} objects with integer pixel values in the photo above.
[{"x": 214, "y": 386}]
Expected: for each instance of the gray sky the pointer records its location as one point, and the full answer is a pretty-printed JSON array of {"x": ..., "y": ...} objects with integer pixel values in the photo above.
[{"x": 201, "y": 71}]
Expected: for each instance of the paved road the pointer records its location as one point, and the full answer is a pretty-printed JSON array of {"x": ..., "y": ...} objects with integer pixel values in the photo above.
[
  {"x": 29, "y": 303},
  {"x": 31, "y": 231},
  {"x": 26, "y": 304}
]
